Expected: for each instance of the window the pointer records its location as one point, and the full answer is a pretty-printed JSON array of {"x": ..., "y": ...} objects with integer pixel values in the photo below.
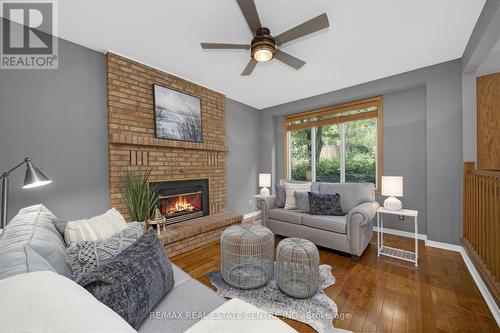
[{"x": 338, "y": 144}]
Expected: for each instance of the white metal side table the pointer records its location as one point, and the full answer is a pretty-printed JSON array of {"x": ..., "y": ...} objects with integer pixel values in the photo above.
[{"x": 392, "y": 251}]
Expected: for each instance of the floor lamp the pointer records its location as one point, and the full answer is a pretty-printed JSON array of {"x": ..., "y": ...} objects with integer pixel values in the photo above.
[{"x": 33, "y": 178}]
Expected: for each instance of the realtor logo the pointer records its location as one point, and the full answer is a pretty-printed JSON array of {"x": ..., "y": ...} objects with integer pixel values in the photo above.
[{"x": 28, "y": 30}]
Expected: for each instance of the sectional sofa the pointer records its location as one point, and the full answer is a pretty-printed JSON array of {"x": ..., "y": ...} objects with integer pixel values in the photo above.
[{"x": 32, "y": 254}]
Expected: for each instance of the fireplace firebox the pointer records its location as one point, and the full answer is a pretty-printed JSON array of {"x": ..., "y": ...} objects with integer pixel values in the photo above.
[{"x": 181, "y": 200}]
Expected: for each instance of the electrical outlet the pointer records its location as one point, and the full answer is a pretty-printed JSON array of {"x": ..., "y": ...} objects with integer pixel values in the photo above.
[{"x": 401, "y": 217}]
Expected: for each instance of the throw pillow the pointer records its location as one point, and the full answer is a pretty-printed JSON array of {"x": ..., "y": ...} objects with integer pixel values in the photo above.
[
  {"x": 96, "y": 228},
  {"x": 60, "y": 226},
  {"x": 302, "y": 200},
  {"x": 324, "y": 204},
  {"x": 134, "y": 281},
  {"x": 280, "y": 196},
  {"x": 86, "y": 255},
  {"x": 290, "y": 188}
]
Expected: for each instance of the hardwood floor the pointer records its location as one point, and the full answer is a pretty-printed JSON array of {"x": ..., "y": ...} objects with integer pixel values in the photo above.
[{"x": 385, "y": 294}]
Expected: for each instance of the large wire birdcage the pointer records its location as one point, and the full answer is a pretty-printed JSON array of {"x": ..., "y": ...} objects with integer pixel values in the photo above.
[
  {"x": 297, "y": 267},
  {"x": 247, "y": 255}
]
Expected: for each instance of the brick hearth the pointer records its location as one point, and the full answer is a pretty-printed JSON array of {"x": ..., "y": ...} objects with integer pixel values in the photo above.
[{"x": 186, "y": 236}]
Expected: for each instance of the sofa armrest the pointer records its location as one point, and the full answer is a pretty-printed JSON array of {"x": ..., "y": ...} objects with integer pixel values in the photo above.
[
  {"x": 359, "y": 228},
  {"x": 265, "y": 204}
]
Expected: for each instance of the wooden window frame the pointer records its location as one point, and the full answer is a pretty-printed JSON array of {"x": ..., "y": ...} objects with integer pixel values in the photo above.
[{"x": 378, "y": 114}]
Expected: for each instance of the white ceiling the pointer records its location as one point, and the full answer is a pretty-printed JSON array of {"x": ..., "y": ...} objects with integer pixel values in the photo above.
[{"x": 367, "y": 40}]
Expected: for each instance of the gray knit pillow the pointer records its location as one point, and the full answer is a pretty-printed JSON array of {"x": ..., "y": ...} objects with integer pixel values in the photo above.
[
  {"x": 302, "y": 200},
  {"x": 134, "y": 281},
  {"x": 86, "y": 255},
  {"x": 280, "y": 196}
]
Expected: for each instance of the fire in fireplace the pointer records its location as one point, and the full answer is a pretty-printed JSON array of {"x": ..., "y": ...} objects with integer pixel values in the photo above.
[
  {"x": 181, "y": 204},
  {"x": 182, "y": 200}
]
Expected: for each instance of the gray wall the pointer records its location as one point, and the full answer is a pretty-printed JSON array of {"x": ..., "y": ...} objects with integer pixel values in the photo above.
[
  {"x": 242, "y": 131},
  {"x": 58, "y": 117},
  {"x": 404, "y": 151},
  {"x": 443, "y": 139}
]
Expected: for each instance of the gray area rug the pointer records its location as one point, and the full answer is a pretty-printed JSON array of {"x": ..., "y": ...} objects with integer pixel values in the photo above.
[{"x": 317, "y": 311}]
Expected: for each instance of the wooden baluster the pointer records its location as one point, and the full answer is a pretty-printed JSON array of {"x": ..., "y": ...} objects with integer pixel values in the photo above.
[{"x": 497, "y": 229}]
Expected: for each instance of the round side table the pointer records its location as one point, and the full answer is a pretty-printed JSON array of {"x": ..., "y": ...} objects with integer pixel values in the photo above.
[
  {"x": 247, "y": 255},
  {"x": 297, "y": 271}
]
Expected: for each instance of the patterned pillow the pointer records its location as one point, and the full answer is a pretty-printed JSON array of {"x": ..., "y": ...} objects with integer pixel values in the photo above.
[
  {"x": 302, "y": 200},
  {"x": 325, "y": 204},
  {"x": 96, "y": 228},
  {"x": 280, "y": 196},
  {"x": 290, "y": 189},
  {"x": 86, "y": 255},
  {"x": 134, "y": 281}
]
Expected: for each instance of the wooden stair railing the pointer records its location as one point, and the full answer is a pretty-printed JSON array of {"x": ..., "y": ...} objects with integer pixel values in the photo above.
[{"x": 482, "y": 223}]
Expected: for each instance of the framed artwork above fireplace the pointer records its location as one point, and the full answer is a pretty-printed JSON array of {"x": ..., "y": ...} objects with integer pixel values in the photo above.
[{"x": 177, "y": 115}]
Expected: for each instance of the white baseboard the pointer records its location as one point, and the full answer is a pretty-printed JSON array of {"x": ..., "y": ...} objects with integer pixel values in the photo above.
[
  {"x": 251, "y": 214},
  {"x": 401, "y": 233},
  {"x": 483, "y": 289},
  {"x": 444, "y": 246}
]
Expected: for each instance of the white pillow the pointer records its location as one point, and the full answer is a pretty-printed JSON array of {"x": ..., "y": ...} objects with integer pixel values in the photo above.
[
  {"x": 290, "y": 189},
  {"x": 96, "y": 228},
  {"x": 48, "y": 302}
]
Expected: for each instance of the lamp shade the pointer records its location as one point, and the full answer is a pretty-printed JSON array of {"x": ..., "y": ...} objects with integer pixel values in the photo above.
[
  {"x": 264, "y": 179},
  {"x": 34, "y": 177},
  {"x": 392, "y": 186}
]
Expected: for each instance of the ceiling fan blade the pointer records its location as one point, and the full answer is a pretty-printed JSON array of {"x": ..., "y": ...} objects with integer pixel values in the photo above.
[
  {"x": 250, "y": 12},
  {"x": 316, "y": 24},
  {"x": 249, "y": 67},
  {"x": 289, "y": 60},
  {"x": 224, "y": 46}
]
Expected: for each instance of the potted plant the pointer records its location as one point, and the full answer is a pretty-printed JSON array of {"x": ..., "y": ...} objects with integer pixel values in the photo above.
[{"x": 138, "y": 196}]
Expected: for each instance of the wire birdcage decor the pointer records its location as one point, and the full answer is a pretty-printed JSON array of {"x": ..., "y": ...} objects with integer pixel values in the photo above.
[
  {"x": 247, "y": 255},
  {"x": 297, "y": 267}
]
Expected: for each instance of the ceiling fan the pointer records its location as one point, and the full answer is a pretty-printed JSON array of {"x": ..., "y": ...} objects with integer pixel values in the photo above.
[{"x": 264, "y": 46}]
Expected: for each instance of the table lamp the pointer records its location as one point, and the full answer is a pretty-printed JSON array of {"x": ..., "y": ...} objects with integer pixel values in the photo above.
[
  {"x": 32, "y": 178},
  {"x": 264, "y": 182},
  {"x": 392, "y": 186}
]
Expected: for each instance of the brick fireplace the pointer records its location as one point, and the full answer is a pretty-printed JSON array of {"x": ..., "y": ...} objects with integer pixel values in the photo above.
[{"x": 133, "y": 145}]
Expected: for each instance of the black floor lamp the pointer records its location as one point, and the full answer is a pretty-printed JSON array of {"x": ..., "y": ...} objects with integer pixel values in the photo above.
[{"x": 33, "y": 178}]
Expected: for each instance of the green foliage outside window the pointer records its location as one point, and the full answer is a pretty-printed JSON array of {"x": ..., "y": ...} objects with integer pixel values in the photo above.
[{"x": 360, "y": 155}]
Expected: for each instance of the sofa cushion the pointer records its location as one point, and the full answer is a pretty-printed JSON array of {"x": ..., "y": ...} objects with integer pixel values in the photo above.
[
  {"x": 31, "y": 242},
  {"x": 326, "y": 222},
  {"x": 290, "y": 216},
  {"x": 324, "y": 204},
  {"x": 351, "y": 194},
  {"x": 280, "y": 196},
  {"x": 302, "y": 200},
  {"x": 50, "y": 302},
  {"x": 96, "y": 228},
  {"x": 86, "y": 255},
  {"x": 181, "y": 308},
  {"x": 291, "y": 188},
  {"x": 134, "y": 281}
]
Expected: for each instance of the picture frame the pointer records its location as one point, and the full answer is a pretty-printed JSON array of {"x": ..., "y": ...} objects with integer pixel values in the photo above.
[{"x": 177, "y": 115}]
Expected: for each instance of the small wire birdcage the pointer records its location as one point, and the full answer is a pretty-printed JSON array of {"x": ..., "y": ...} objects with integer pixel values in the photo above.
[
  {"x": 297, "y": 267},
  {"x": 247, "y": 255}
]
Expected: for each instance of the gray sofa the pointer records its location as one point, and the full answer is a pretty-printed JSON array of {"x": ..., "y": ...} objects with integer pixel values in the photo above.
[
  {"x": 30, "y": 243},
  {"x": 350, "y": 233}
]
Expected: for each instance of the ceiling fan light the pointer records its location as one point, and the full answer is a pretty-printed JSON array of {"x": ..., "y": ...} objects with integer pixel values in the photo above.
[
  {"x": 263, "y": 55},
  {"x": 263, "y": 52}
]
